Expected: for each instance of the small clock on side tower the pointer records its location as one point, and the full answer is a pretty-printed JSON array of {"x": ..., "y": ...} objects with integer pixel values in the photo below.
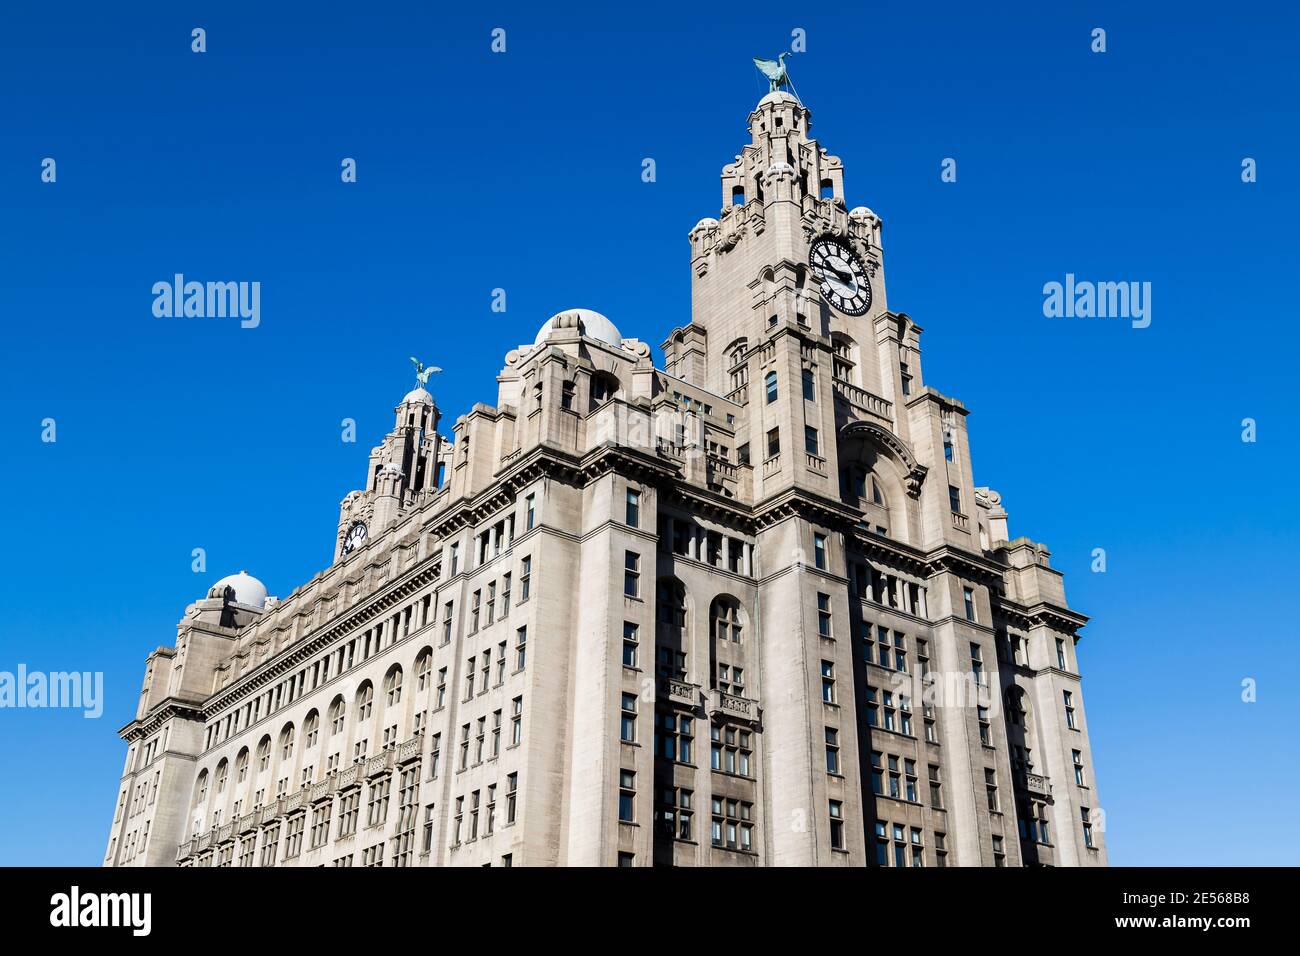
[{"x": 355, "y": 537}]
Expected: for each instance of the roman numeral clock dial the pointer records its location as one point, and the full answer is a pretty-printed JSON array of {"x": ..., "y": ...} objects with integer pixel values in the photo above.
[{"x": 840, "y": 275}]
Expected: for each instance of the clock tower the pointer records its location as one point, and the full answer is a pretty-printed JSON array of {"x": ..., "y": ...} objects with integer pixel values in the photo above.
[
  {"x": 405, "y": 469},
  {"x": 791, "y": 322}
]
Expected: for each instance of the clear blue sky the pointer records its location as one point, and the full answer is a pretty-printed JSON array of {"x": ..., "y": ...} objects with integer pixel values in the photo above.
[{"x": 522, "y": 171}]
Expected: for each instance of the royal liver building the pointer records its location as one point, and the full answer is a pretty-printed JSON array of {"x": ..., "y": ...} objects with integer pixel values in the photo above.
[{"x": 750, "y": 608}]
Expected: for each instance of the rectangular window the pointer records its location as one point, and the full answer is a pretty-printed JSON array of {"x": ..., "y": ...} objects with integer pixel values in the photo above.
[
  {"x": 773, "y": 442},
  {"x": 676, "y": 813},
  {"x": 968, "y": 598},
  {"x": 631, "y": 574},
  {"x": 809, "y": 385},
  {"x": 991, "y": 788},
  {"x": 819, "y": 551},
  {"x": 627, "y": 796},
  {"x": 633, "y": 508},
  {"x": 516, "y": 721},
  {"x": 1086, "y": 814},
  {"x": 1078, "y": 767},
  {"x": 832, "y": 750},
  {"x": 954, "y": 499},
  {"x": 837, "y": 824},
  {"x": 1060, "y": 654},
  {"x": 530, "y": 512},
  {"x": 525, "y": 578},
  {"x": 627, "y": 719},
  {"x": 828, "y": 682},
  {"x": 810, "y": 441},
  {"x": 512, "y": 796},
  {"x": 521, "y": 648},
  {"x": 1069, "y": 710},
  {"x": 631, "y": 642},
  {"x": 824, "y": 615}
]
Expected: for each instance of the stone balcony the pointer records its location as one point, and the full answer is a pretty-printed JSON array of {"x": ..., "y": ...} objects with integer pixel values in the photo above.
[
  {"x": 226, "y": 833},
  {"x": 409, "y": 750},
  {"x": 247, "y": 823},
  {"x": 380, "y": 763},
  {"x": 1034, "y": 783},
  {"x": 349, "y": 777},
  {"x": 860, "y": 399},
  {"x": 323, "y": 790},
  {"x": 725, "y": 706},
  {"x": 680, "y": 692}
]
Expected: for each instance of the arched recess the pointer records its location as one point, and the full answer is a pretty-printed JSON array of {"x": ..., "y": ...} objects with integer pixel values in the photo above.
[
  {"x": 729, "y": 671},
  {"x": 1020, "y": 728},
  {"x": 672, "y": 628},
  {"x": 879, "y": 474}
]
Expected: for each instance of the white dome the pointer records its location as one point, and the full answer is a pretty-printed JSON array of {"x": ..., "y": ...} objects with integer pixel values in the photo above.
[
  {"x": 248, "y": 590},
  {"x": 418, "y": 396},
  {"x": 778, "y": 96},
  {"x": 591, "y": 324}
]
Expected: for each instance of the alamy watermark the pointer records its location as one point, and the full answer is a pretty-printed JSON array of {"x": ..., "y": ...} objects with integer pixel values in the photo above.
[
  {"x": 75, "y": 690},
  {"x": 208, "y": 300},
  {"x": 1101, "y": 300}
]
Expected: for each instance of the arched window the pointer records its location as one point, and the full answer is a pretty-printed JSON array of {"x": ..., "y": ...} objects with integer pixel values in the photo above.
[
  {"x": 365, "y": 701},
  {"x": 393, "y": 687},
  {"x": 241, "y": 766},
  {"x": 769, "y": 387},
  {"x": 201, "y": 788},
  {"x": 286, "y": 742},
  {"x": 423, "y": 668},
  {"x": 311, "y": 729},
  {"x": 219, "y": 779},
  {"x": 264, "y": 754},
  {"x": 725, "y": 622},
  {"x": 337, "y": 715}
]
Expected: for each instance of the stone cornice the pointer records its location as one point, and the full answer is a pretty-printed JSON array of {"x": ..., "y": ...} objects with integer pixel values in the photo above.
[
  {"x": 152, "y": 722},
  {"x": 287, "y": 660}
]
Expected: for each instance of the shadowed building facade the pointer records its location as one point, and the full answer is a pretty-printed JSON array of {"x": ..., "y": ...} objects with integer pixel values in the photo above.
[{"x": 749, "y": 608}]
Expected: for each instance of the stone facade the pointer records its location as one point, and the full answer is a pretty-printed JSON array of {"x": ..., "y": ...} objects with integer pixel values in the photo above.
[{"x": 747, "y": 609}]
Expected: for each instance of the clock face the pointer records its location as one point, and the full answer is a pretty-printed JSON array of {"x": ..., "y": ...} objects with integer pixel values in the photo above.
[
  {"x": 355, "y": 537},
  {"x": 840, "y": 275}
]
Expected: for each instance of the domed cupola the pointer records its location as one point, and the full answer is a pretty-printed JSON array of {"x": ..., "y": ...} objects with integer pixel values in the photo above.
[{"x": 249, "y": 591}]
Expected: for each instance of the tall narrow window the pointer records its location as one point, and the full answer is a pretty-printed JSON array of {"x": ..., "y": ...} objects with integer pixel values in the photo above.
[
  {"x": 627, "y": 719},
  {"x": 1069, "y": 710},
  {"x": 819, "y": 551},
  {"x": 773, "y": 442},
  {"x": 811, "y": 443},
  {"x": 633, "y": 508},
  {"x": 837, "y": 824},
  {"x": 626, "y": 796},
  {"x": 828, "y": 682},
  {"x": 769, "y": 386},
  {"x": 631, "y": 574},
  {"x": 809, "y": 385}
]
